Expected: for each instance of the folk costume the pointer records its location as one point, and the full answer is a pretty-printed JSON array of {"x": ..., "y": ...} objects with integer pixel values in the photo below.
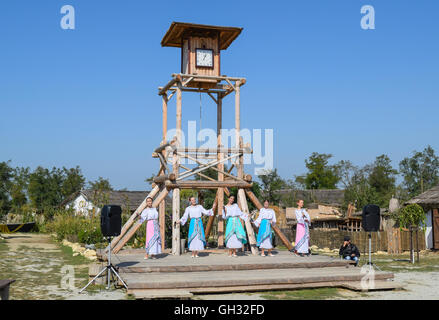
[
  {"x": 196, "y": 238},
  {"x": 302, "y": 231},
  {"x": 266, "y": 218},
  {"x": 153, "y": 243},
  {"x": 235, "y": 233}
]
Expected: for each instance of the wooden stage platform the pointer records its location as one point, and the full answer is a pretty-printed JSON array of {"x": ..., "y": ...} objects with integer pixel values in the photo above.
[{"x": 171, "y": 276}]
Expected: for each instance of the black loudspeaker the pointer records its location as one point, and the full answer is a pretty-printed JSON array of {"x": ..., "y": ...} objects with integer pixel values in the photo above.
[
  {"x": 371, "y": 218},
  {"x": 111, "y": 220}
]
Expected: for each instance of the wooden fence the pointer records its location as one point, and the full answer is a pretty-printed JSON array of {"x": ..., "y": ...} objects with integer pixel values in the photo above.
[{"x": 395, "y": 241}]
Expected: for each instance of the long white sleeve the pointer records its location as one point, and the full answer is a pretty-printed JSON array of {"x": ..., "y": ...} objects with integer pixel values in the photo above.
[
  {"x": 307, "y": 216},
  {"x": 143, "y": 216},
  {"x": 183, "y": 219},
  {"x": 299, "y": 216},
  {"x": 273, "y": 220},
  {"x": 206, "y": 212},
  {"x": 258, "y": 220}
]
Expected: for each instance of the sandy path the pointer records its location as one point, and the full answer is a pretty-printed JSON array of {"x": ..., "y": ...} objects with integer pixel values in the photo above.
[{"x": 36, "y": 262}]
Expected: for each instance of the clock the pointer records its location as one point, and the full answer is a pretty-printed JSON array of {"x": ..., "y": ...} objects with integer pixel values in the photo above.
[{"x": 204, "y": 58}]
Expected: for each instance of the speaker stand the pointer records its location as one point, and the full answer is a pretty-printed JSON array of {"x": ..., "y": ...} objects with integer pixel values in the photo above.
[
  {"x": 110, "y": 270},
  {"x": 370, "y": 263}
]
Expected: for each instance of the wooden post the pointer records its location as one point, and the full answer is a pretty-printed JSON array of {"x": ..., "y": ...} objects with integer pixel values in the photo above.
[
  {"x": 279, "y": 233},
  {"x": 162, "y": 205},
  {"x": 242, "y": 200},
  {"x": 238, "y": 124},
  {"x": 211, "y": 219},
  {"x": 220, "y": 193},
  {"x": 176, "y": 192},
  {"x": 417, "y": 244},
  {"x": 412, "y": 258}
]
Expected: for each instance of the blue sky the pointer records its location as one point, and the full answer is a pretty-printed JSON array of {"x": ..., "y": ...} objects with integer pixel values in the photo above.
[{"x": 88, "y": 96}]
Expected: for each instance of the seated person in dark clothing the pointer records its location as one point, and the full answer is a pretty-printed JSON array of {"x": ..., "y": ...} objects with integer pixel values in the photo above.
[{"x": 349, "y": 251}]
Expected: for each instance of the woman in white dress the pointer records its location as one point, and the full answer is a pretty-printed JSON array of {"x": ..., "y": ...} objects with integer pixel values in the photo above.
[
  {"x": 266, "y": 218},
  {"x": 302, "y": 230},
  {"x": 153, "y": 244},
  {"x": 235, "y": 234},
  {"x": 196, "y": 238}
]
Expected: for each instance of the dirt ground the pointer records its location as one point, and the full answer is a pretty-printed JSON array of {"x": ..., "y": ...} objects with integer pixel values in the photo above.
[
  {"x": 418, "y": 286},
  {"x": 36, "y": 262}
]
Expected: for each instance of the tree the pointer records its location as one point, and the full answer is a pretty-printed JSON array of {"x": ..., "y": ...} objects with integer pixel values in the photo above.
[
  {"x": 45, "y": 188},
  {"x": 420, "y": 172},
  {"x": 20, "y": 185},
  {"x": 355, "y": 182},
  {"x": 101, "y": 185},
  {"x": 6, "y": 174},
  {"x": 412, "y": 217},
  {"x": 382, "y": 178},
  {"x": 320, "y": 174},
  {"x": 73, "y": 181},
  {"x": 271, "y": 183}
]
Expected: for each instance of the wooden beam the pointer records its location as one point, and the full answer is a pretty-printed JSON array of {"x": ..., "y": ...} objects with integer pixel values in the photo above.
[
  {"x": 162, "y": 222},
  {"x": 127, "y": 236},
  {"x": 248, "y": 226},
  {"x": 162, "y": 205},
  {"x": 176, "y": 192},
  {"x": 276, "y": 229},
  {"x": 168, "y": 86},
  {"x": 220, "y": 192},
  {"x": 213, "y": 98},
  {"x": 202, "y": 184},
  {"x": 184, "y": 76},
  {"x": 204, "y": 166},
  {"x": 164, "y": 177},
  {"x": 132, "y": 218},
  {"x": 215, "y": 150},
  {"x": 211, "y": 219},
  {"x": 164, "y": 116},
  {"x": 238, "y": 126}
]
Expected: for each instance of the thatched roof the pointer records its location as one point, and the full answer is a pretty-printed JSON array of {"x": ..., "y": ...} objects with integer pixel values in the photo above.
[
  {"x": 322, "y": 213},
  {"x": 427, "y": 200},
  {"x": 130, "y": 199},
  {"x": 332, "y": 197}
]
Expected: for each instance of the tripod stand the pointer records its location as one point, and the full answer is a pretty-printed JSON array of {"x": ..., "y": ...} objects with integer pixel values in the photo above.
[
  {"x": 109, "y": 268},
  {"x": 370, "y": 263}
]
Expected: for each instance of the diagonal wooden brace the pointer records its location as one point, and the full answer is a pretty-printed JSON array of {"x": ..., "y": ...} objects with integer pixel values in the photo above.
[
  {"x": 276, "y": 229},
  {"x": 135, "y": 226},
  {"x": 242, "y": 200},
  {"x": 130, "y": 221}
]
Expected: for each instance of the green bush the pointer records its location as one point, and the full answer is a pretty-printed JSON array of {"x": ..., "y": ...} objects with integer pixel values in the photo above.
[
  {"x": 66, "y": 226},
  {"x": 411, "y": 215}
]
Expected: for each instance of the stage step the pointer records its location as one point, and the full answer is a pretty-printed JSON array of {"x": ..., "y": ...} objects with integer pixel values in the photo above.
[
  {"x": 161, "y": 294},
  {"x": 190, "y": 292},
  {"x": 233, "y": 267},
  {"x": 377, "y": 285},
  {"x": 217, "y": 279}
]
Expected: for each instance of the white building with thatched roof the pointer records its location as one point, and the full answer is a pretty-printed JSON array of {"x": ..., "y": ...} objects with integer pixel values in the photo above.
[
  {"x": 429, "y": 201},
  {"x": 89, "y": 202}
]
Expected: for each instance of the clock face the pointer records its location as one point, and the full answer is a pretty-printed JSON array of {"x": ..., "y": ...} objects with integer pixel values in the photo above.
[{"x": 204, "y": 58}]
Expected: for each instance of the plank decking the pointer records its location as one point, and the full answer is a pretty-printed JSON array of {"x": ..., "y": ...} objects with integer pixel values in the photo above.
[{"x": 182, "y": 276}]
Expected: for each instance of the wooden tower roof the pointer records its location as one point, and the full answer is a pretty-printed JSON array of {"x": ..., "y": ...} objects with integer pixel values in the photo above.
[{"x": 178, "y": 30}]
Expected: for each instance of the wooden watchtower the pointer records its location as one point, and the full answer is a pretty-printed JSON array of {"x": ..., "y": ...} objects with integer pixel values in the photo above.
[{"x": 201, "y": 47}]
